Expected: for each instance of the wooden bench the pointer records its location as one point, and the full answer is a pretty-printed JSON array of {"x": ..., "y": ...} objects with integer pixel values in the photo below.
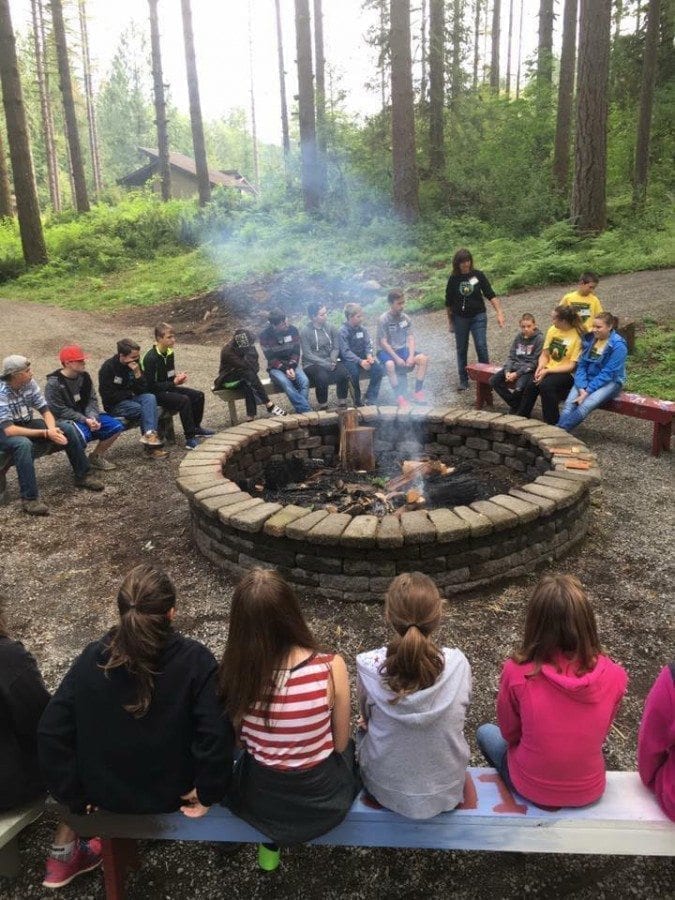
[
  {"x": 660, "y": 412},
  {"x": 626, "y": 821},
  {"x": 12, "y": 824}
]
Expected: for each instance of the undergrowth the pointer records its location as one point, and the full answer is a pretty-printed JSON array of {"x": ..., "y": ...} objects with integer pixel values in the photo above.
[{"x": 651, "y": 368}]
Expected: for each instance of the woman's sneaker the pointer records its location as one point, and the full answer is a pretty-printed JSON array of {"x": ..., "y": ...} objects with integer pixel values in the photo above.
[
  {"x": 276, "y": 411},
  {"x": 60, "y": 872}
]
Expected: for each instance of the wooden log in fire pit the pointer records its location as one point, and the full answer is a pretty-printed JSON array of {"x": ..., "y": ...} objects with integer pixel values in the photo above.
[{"x": 357, "y": 450}]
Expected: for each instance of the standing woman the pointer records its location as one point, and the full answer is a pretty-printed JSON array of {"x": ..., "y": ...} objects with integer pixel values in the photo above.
[
  {"x": 553, "y": 378},
  {"x": 465, "y": 296},
  {"x": 289, "y": 703},
  {"x": 600, "y": 372},
  {"x": 135, "y": 726}
]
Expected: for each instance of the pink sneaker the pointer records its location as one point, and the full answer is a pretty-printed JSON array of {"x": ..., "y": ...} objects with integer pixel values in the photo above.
[
  {"x": 403, "y": 403},
  {"x": 419, "y": 397},
  {"x": 60, "y": 872}
]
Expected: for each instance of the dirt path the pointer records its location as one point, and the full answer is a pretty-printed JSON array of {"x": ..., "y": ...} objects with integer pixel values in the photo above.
[{"x": 59, "y": 577}]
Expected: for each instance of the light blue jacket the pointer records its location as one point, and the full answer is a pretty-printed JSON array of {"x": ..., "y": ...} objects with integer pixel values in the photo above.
[{"x": 591, "y": 373}]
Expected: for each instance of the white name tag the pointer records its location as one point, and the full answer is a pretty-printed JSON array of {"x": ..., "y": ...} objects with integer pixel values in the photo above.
[
  {"x": 23, "y": 412},
  {"x": 76, "y": 398},
  {"x": 403, "y": 325},
  {"x": 473, "y": 281},
  {"x": 288, "y": 339},
  {"x": 584, "y": 311},
  {"x": 359, "y": 334},
  {"x": 118, "y": 379},
  {"x": 171, "y": 373}
]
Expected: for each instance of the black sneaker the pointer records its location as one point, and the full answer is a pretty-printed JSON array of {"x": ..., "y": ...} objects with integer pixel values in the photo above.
[{"x": 88, "y": 482}]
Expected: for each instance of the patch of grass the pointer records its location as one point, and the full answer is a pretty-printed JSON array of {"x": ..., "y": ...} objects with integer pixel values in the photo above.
[{"x": 651, "y": 368}]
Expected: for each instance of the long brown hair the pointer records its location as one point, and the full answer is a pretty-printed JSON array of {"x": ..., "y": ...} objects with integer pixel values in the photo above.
[
  {"x": 462, "y": 255},
  {"x": 569, "y": 315},
  {"x": 265, "y": 624},
  {"x": 413, "y": 607},
  {"x": 559, "y": 619},
  {"x": 144, "y": 599}
]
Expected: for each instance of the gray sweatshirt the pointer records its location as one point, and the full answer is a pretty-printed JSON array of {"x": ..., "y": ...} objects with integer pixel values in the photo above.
[
  {"x": 320, "y": 346},
  {"x": 413, "y": 757}
]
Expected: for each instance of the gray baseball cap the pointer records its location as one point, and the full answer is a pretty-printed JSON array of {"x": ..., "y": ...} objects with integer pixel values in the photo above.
[{"x": 12, "y": 365}]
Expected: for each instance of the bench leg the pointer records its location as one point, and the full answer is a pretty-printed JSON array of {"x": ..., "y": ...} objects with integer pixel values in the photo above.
[
  {"x": 232, "y": 404},
  {"x": 483, "y": 395},
  {"x": 119, "y": 855},
  {"x": 9, "y": 859},
  {"x": 661, "y": 437}
]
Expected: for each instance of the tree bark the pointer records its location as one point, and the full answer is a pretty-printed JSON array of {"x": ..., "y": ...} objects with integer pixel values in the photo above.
[
  {"x": 160, "y": 103},
  {"x": 476, "y": 44},
  {"x": 588, "y": 206},
  {"x": 509, "y": 45},
  {"x": 320, "y": 80},
  {"x": 436, "y": 85},
  {"x": 644, "y": 125},
  {"x": 545, "y": 47},
  {"x": 563, "y": 124},
  {"x": 406, "y": 186},
  {"x": 49, "y": 112},
  {"x": 456, "y": 71},
  {"x": 308, "y": 151},
  {"x": 45, "y": 106},
  {"x": 285, "y": 135},
  {"x": 198, "y": 142},
  {"x": 6, "y": 211},
  {"x": 494, "y": 58},
  {"x": 89, "y": 99},
  {"x": 520, "y": 50},
  {"x": 66, "y": 84},
  {"x": 423, "y": 54},
  {"x": 28, "y": 210}
]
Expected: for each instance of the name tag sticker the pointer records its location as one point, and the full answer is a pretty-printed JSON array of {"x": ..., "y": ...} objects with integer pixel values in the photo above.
[
  {"x": 473, "y": 281},
  {"x": 23, "y": 412},
  {"x": 585, "y": 311},
  {"x": 359, "y": 334},
  {"x": 76, "y": 398},
  {"x": 118, "y": 379},
  {"x": 403, "y": 325},
  {"x": 288, "y": 339},
  {"x": 171, "y": 373}
]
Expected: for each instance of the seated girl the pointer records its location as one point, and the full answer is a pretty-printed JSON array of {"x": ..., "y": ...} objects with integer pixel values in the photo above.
[
  {"x": 656, "y": 740},
  {"x": 600, "y": 372},
  {"x": 135, "y": 726},
  {"x": 553, "y": 376},
  {"x": 289, "y": 702},
  {"x": 557, "y": 699},
  {"x": 413, "y": 697}
]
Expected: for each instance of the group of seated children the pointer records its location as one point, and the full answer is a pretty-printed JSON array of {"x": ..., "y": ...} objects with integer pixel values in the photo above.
[
  {"x": 132, "y": 390},
  {"x": 146, "y": 720},
  {"x": 581, "y": 360},
  {"x": 320, "y": 355}
]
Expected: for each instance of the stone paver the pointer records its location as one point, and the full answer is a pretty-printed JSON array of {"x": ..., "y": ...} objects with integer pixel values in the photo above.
[
  {"x": 526, "y": 512},
  {"x": 275, "y": 526},
  {"x": 252, "y": 520},
  {"x": 417, "y": 528},
  {"x": 500, "y": 516},
  {"x": 360, "y": 532},
  {"x": 449, "y": 527},
  {"x": 328, "y": 530},
  {"x": 300, "y": 527},
  {"x": 389, "y": 534},
  {"x": 478, "y": 523}
]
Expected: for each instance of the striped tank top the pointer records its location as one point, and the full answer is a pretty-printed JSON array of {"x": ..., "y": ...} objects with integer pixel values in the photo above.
[{"x": 298, "y": 732}]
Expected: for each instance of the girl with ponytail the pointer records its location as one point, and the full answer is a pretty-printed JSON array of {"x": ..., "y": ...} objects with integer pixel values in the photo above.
[
  {"x": 413, "y": 697},
  {"x": 135, "y": 726}
]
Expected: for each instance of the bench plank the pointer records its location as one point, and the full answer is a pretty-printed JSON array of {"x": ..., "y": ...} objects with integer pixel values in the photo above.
[{"x": 12, "y": 824}]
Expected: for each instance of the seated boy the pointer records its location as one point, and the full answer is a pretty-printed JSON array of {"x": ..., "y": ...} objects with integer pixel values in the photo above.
[
  {"x": 397, "y": 342},
  {"x": 518, "y": 372},
  {"x": 168, "y": 386},
  {"x": 72, "y": 398},
  {"x": 357, "y": 354},
  {"x": 320, "y": 348},
  {"x": 280, "y": 343},
  {"x": 584, "y": 300},
  {"x": 239, "y": 367}
]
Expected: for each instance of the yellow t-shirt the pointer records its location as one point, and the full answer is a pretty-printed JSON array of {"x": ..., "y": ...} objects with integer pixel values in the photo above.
[
  {"x": 562, "y": 346},
  {"x": 588, "y": 307},
  {"x": 597, "y": 349}
]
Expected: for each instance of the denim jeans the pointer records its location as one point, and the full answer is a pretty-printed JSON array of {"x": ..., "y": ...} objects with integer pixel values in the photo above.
[
  {"x": 493, "y": 747},
  {"x": 574, "y": 413},
  {"x": 375, "y": 374},
  {"x": 25, "y": 450},
  {"x": 297, "y": 390},
  {"x": 142, "y": 409},
  {"x": 477, "y": 327}
]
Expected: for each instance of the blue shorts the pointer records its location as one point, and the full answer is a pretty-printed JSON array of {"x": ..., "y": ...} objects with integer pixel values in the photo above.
[
  {"x": 403, "y": 353},
  {"x": 110, "y": 426}
]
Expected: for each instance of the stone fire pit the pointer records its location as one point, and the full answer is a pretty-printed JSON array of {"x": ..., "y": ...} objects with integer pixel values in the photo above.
[{"x": 336, "y": 556}]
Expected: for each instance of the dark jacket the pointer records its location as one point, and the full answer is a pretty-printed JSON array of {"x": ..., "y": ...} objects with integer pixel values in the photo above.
[
  {"x": 238, "y": 358},
  {"x": 466, "y": 294},
  {"x": 524, "y": 353},
  {"x": 159, "y": 370},
  {"x": 23, "y": 697},
  {"x": 355, "y": 343},
  {"x": 93, "y": 751},
  {"x": 116, "y": 382},
  {"x": 71, "y": 399},
  {"x": 282, "y": 351}
]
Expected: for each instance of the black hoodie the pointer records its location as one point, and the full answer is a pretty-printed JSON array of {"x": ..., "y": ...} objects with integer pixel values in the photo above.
[{"x": 93, "y": 751}]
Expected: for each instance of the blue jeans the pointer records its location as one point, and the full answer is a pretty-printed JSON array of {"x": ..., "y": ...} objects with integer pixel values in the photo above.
[
  {"x": 297, "y": 390},
  {"x": 493, "y": 747},
  {"x": 142, "y": 409},
  {"x": 23, "y": 450},
  {"x": 477, "y": 327},
  {"x": 375, "y": 374},
  {"x": 574, "y": 413}
]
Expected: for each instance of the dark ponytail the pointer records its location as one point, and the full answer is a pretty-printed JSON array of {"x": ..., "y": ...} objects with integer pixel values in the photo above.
[
  {"x": 569, "y": 315},
  {"x": 144, "y": 599},
  {"x": 413, "y": 607}
]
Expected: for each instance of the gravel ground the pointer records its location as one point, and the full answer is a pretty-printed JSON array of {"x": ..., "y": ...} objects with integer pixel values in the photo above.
[{"x": 60, "y": 575}]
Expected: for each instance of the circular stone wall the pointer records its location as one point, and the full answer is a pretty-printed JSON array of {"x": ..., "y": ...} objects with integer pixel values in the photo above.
[{"x": 336, "y": 556}]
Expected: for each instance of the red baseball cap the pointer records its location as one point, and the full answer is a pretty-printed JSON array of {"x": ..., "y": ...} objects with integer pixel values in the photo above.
[{"x": 72, "y": 353}]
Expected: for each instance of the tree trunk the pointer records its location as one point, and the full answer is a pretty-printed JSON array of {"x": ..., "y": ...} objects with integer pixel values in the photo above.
[
  {"x": 406, "y": 187},
  {"x": 89, "y": 99},
  {"x": 423, "y": 54},
  {"x": 66, "y": 84},
  {"x": 494, "y": 58},
  {"x": 509, "y": 45},
  {"x": 45, "y": 106},
  {"x": 545, "y": 48},
  {"x": 383, "y": 58},
  {"x": 618, "y": 15},
  {"x": 436, "y": 85},
  {"x": 5, "y": 192},
  {"x": 28, "y": 210},
  {"x": 588, "y": 206},
  {"x": 486, "y": 34},
  {"x": 456, "y": 71},
  {"x": 563, "y": 124},
  {"x": 285, "y": 135},
  {"x": 476, "y": 44},
  {"x": 310, "y": 175},
  {"x": 649, "y": 59},
  {"x": 198, "y": 142},
  {"x": 520, "y": 50},
  {"x": 51, "y": 140},
  {"x": 254, "y": 124},
  {"x": 320, "y": 79},
  {"x": 160, "y": 103}
]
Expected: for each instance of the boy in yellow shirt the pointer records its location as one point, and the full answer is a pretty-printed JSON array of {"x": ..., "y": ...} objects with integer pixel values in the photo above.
[{"x": 584, "y": 301}]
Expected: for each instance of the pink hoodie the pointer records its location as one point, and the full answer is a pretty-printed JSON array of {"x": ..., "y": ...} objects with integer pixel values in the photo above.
[
  {"x": 656, "y": 741},
  {"x": 555, "y": 723}
]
